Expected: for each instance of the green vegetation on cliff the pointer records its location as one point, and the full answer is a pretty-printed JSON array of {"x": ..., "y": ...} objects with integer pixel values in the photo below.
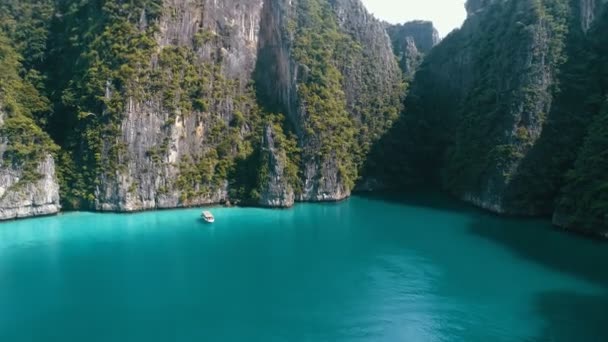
[
  {"x": 584, "y": 201},
  {"x": 541, "y": 176},
  {"x": 287, "y": 153},
  {"x": 99, "y": 53},
  {"x": 507, "y": 102},
  {"x": 329, "y": 129},
  {"x": 499, "y": 110},
  {"x": 336, "y": 129},
  {"x": 506, "y": 112},
  {"x": 479, "y": 99},
  {"x": 584, "y": 204},
  {"x": 20, "y": 107}
]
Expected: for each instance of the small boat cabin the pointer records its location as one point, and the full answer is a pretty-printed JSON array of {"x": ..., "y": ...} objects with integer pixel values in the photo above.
[{"x": 208, "y": 217}]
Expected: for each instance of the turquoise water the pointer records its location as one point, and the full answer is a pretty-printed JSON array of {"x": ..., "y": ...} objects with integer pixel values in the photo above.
[{"x": 418, "y": 269}]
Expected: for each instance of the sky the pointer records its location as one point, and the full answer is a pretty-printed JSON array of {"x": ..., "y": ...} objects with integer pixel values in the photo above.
[{"x": 445, "y": 14}]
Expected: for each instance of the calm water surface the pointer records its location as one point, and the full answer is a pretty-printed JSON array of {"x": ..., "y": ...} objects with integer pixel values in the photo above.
[{"x": 420, "y": 269}]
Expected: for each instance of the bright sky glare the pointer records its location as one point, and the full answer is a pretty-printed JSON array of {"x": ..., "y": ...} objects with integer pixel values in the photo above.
[{"x": 445, "y": 14}]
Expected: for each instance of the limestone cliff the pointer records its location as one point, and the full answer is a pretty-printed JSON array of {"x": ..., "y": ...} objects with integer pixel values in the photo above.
[
  {"x": 28, "y": 182},
  {"x": 27, "y": 188},
  {"x": 168, "y": 103},
  {"x": 171, "y": 138},
  {"x": 175, "y": 103},
  {"x": 583, "y": 203},
  {"x": 503, "y": 116},
  {"x": 498, "y": 118},
  {"x": 474, "y": 7},
  {"x": 589, "y": 10},
  {"x": 277, "y": 192},
  {"x": 411, "y": 42},
  {"x": 338, "y": 51},
  {"x": 21, "y": 198},
  {"x": 499, "y": 110}
]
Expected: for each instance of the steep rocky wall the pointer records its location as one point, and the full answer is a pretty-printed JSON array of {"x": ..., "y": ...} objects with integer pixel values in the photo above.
[
  {"x": 506, "y": 113},
  {"x": 411, "y": 42},
  {"x": 21, "y": 197},
  {"x": 427, "y": 126},
  {"x": 370, "y": 74},
  {"x": 582, "y": 204},
  {"x": 553, "y": 166},
  {"x": 364, "y": 83},
  {"x": 28, "y": 199},
  {"x": 425, "y": 35},
  {"x": 163, "y": 142},
  {"x": 277, "y": 192},
  {"x": 589, "y": 10},
  {"x": 277, "y": 73},
  {"x": 192, "y": 112},
  {"x": 161, "y": 103},
  {"x": 28, "y": 182},
  {"x": 478, "y": 102},
  {"x": 517, "y": 104},
  {"x": 513, "y": 50},
  {"x": 476, "y": 6},
  {"x": 236, "y": 23}
]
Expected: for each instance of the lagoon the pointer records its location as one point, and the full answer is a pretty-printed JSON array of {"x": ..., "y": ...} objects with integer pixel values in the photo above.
[{"x": 415, "y": 268}]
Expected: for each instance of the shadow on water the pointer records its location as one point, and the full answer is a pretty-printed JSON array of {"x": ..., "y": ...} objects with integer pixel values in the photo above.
[
  {"x": 419, "y": 198},
  {"x": 533, "y": 239},
  {"x": 539, "y": 242},
  {"x": 567, "y": 315},
  {"x": 571, "y": 317}
]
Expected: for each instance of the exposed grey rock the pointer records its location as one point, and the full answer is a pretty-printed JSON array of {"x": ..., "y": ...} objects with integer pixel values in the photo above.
[
  {"x": 279, "y": 75},
  {"x": 535, "y": 78},
  {"x": 424, "y": 35},
  {"x": 478, "y": 103},
  {"x": 249, "y": 41},
  {"x": 475, "y": 6},
  {"x": 411, "y": 42},
  {"x": 21, "y": 200},
  {"x": 146, "y": 183},
  {"x": 322, "y": 182},
  {"x": 276, "y": 192},
  {"x": 375, "y": 73},
  {"x": 590, "y": 9},
  {"x": 531, "y": 86}
]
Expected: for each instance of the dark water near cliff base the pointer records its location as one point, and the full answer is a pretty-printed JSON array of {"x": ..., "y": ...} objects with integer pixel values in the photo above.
[{"x": 421, "y": 269}]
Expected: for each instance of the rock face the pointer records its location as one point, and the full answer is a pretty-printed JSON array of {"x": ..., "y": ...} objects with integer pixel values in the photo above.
[
  {"x": 183, "y": 104},
  {"x": 583, "y": 203},
  {"x": 411, "y": 42},
  {"x": 589, "y": 10},
  {"x": 499, "y": 110},
  {"x": 367, "y": 73},
  {"x": 520, "y": 110},
  {"x": 276, "y": 192},
  {"x": 475, "y": 6},
  {"x": 28, "y": 183},
  {"x": 37, "y": 198},
  {"x": 21, "y": 197},
  {"x": 176, "y": 103},
  {"x": 163, "y": 142},
  {"x": 502, "y": 116}
]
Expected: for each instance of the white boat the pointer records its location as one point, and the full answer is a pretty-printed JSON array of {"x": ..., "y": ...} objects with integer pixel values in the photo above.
[{"x": 208, "y": 217}]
